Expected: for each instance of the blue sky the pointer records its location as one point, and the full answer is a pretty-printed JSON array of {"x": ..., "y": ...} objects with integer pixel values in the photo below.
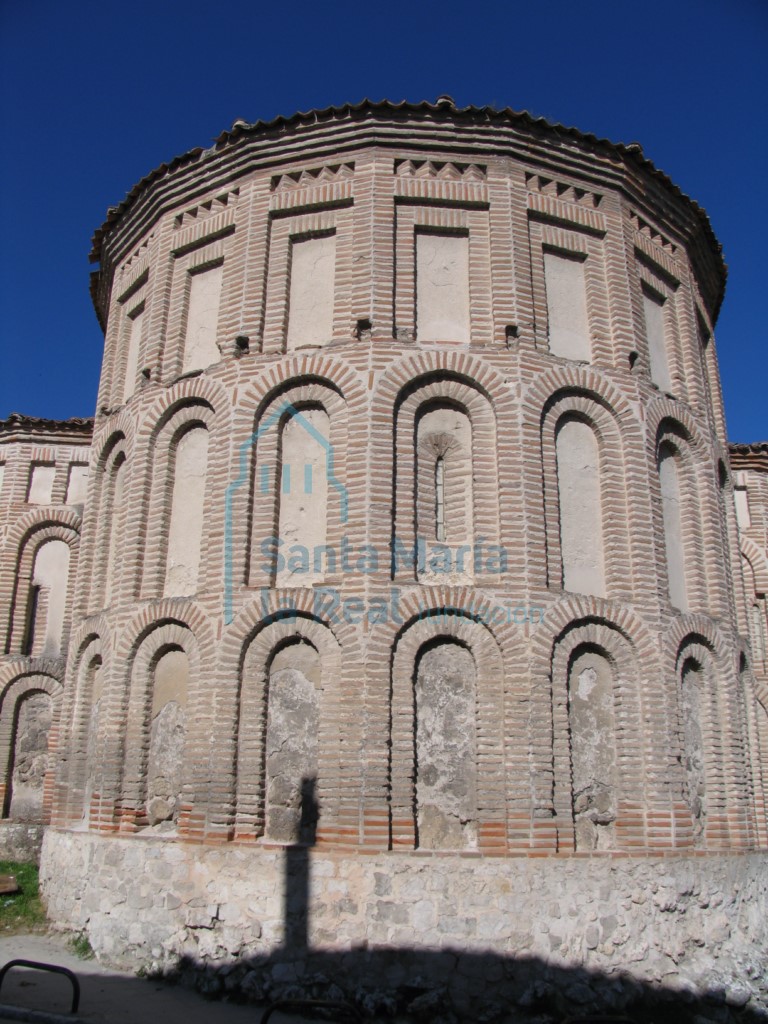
[{"x": 95, "y": 93}]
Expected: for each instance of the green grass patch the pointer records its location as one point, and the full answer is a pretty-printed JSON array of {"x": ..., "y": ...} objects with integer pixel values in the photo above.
[
  {"x": 81, "y": 947},
  {"x": 22, "y": 911}
]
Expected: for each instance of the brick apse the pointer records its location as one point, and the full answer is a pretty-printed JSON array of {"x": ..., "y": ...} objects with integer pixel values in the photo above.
[{"x": 407, "y": 617}]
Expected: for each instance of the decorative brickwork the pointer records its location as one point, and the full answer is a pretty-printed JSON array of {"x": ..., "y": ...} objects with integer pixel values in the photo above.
[{"x": 513, "y": 623}]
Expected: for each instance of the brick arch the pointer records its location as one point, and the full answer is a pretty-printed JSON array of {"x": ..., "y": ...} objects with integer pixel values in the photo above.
[
  {"x": 574, "y": 611},
  {"x": 26, "y": 537},
  {"x": 290, "y": 371},
  {"x": 192, "y": 391},
  {"x": 707, "y": 588},
  {"x": 37, "y": 519},
  {"x": 723, "y": 727},
  {"x": 252, "y": 699},
  {"x": 255, "y": 615},
  {"x": 254, "y": 517},
  {"x": 585, "y": 380},
  {"x": 183, "y": 610},
  {"x": 460, "y": 366},
  {"x": 632, "y": 707},
  {"x": 425, "y": 391},
  {"x": 391, "y": 394},
  {"x": 572, "y": 608},
  {"x": 453, "y": 625},
  {"x": 618, "y": 478},
  {"x": 758, "y": 560},
  {"x": 18, "y": 681},
  {"x": 663, "y": 409},
  {"x": 151, "y": 494},
  {"x": 121, "y": 424},
  {"x": 16, "y": 668},
  {"x": 128, "y": 716},
  {"x": 682, "y": 627},
  {"x": 592, "y": 395},
  {"x": 91, "y": 640},
  {"x": 115, "y": 452}
]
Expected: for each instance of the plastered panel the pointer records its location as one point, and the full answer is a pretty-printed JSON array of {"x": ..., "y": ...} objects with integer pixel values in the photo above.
[
  {"x": 442, "y": 287},
  {"x": 132, "y": 356},
  {"x": 187, "y": 513},
  {"x": 655, "y": 331},
  {"x": 50, "y": 575},
  {"x": 200, "y": 348},
  {"x": 313, "y": 272},
  {"x": 673, "y": 528},
  {"x": 41, "y": 484},
  {"x": 303, "y": 498},
  {"x": 567, "y": 306},
  {"x": 581, "y": 524},
  {"x": 77, "y": 484},
  {"x": 741, "y": 500}
]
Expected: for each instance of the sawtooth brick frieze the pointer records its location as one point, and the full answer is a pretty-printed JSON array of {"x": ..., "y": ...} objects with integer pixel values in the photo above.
[{"x": 413, "y": 577}]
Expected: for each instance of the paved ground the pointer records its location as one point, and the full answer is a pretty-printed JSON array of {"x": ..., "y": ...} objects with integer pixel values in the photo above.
[{"x": 107, "y": 996}]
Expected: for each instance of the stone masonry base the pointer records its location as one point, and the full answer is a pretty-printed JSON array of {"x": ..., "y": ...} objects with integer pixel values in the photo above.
[
  {"x": 424, "y": 936},
  {"x": 20, "y": 842}
]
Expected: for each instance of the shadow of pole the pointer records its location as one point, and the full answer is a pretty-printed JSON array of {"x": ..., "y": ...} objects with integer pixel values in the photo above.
[{"x": 298, "y": 871}]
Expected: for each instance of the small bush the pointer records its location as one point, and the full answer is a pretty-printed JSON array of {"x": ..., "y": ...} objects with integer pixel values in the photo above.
[{"x": 22, "y": 911}]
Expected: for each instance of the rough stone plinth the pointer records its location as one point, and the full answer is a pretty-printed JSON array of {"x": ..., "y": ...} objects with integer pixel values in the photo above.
[{"x": 469, "y": 930}]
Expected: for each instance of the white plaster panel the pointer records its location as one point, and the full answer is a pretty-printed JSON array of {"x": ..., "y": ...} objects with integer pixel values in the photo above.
[
  {"x": 200, "y": 348},
  {"x": 118, "y": 497},
  {"x": 77, "y": 483},
  {"x": 655, "y": 331},
  {"x": 50, "y": 574},
  {"x": 673, "y": 527},
  {"x": 303, "y": 487},
  {"x": 741, "y": 500},
  {"x": 187, "y": 513},
  {"x": 171, "y": 680},
  {"x": 132, "y": 356},
  {"x": 567, "y": 306},
  {"x": 313, "y": 273},
  {"x": 41, "y": 484},
  {"x": 581, "y": 521},
  {"x": 442, "y": 287}
]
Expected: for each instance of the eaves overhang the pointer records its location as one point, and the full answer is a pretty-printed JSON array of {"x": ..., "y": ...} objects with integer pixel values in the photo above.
[{"x": 471, "y": 130}]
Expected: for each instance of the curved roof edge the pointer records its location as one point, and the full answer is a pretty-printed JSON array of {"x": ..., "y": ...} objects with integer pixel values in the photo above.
[
  {"x": 18, "y": 422},
  {"x": 631, "y": 152},
  {"x": 752, "y": 456}
]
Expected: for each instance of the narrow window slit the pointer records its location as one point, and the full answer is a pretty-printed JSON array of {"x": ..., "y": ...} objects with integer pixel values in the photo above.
[{"x": 440, "y": 499}]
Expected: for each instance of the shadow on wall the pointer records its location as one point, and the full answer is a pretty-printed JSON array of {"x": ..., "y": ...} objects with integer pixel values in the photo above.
[{"x": 446, "y": 985}]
